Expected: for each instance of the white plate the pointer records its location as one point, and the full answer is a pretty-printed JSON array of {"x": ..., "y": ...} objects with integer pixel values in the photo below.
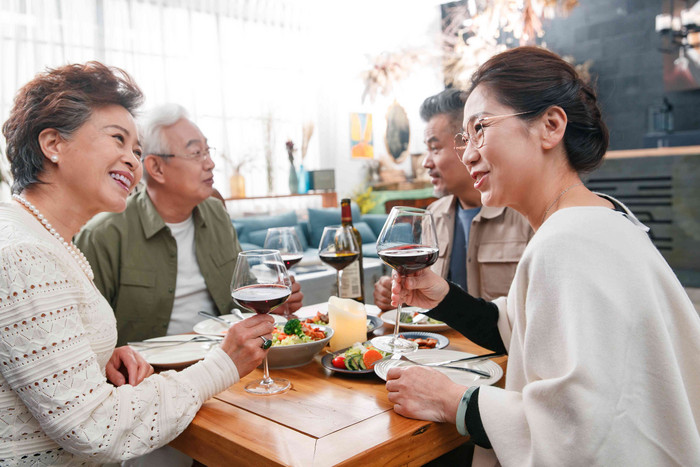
[
  {"x": 177, "y": 355},
  {"x": 390, "y": 318},
  {"x": 460, "y": 377},
  {"x": 210, "y": 326}
]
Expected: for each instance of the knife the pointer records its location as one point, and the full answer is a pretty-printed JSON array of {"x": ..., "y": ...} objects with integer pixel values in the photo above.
[{"x": 466, "y": 359}]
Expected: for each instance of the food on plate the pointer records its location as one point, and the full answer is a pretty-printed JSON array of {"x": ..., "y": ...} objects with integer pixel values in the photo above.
[
  {"x": 407, "y": 318},
  {"x": 322, "y": 318},
  {"x": 358, "y": 357},
  {"x": 428, "y": 343},
  {"x": 296, "y": 332}
]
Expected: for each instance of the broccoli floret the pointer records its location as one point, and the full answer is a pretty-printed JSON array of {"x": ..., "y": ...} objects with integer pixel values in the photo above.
[{"x": 292, "y": 327}]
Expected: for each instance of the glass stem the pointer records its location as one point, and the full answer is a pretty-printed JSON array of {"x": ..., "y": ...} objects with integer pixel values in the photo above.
[
  {"x": 398, "y": 315},
  {"x": 337, "y": 282},
  {"x": 266, "y": 373}
]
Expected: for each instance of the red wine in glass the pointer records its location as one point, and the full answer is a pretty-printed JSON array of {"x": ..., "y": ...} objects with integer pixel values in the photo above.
[
  {"x": 338, "y": 260},
  {"x": 261, "y": 298},
  {"x": 290, "y": 260},
  {"x": 409, "y": 258}
]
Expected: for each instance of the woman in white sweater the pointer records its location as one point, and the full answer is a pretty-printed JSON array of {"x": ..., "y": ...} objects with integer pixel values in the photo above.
[
  {"x": 67, "y": 396},
  {"x": 603, "y": 343}
]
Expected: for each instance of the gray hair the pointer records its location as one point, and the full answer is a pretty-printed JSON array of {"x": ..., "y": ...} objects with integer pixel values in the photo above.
[
  {"x": 152, "y": 124},
  {"x": 448, "y": 102}
]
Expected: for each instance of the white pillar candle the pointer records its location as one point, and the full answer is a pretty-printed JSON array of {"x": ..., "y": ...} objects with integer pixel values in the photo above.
[{"x": 348, "y": 319}]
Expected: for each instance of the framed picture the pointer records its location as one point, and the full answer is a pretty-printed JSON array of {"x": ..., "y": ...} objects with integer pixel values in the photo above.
[{"x": 361, "y": 143}]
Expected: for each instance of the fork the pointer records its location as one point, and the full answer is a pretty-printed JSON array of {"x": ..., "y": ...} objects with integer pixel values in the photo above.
[
  {"x": 170, "y": 343},
  {"x": 483, "y": 374}
]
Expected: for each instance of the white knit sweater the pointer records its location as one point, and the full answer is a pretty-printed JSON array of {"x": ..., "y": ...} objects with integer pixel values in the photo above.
[
  {"x": 56, "y": 335},
  {"x": 603, "y": 352}
]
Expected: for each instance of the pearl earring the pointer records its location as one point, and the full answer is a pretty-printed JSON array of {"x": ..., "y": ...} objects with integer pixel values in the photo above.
[{"x": 54, "y": 158}]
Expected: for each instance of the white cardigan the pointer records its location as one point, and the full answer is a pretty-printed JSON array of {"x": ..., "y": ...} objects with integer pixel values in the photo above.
[
  {"x": 603, "y": 352},
  {"x": 56, "y": 335}
]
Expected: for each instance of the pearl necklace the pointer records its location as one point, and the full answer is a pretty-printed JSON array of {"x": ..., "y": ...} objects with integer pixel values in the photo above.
[
  {"x": 77, "y": 255},
  {"x": 557, "y": 199}
]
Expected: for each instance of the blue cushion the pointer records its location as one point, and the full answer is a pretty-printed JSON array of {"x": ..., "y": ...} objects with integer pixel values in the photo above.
[
  {"x": 365, "y": 232},
  {"x": 258, "y": 237},
  {"x": 369, "y": 250},
  {"x": 320, "y": 218},
  {"x": 245, "y": 225}
]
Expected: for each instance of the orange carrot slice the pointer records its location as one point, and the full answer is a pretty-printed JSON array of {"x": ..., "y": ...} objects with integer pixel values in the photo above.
[{"x": 371, "y": 357}]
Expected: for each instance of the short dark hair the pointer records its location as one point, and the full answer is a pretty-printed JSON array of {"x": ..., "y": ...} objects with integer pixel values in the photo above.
[
  {"x": 448, "y": 102},
  {"x": 532, "y": 79},
  {"x": 61, "y": 98}
]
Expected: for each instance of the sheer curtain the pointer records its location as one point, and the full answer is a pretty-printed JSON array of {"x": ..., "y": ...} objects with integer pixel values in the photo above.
[{"x": 245, "y": 69}]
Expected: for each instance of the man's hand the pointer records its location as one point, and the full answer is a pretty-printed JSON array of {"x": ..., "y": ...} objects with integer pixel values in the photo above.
[
  {"x": 382, "y": 293},
  {"x": 423, "y": 289},
  {"x": 127, "y": 363},
  {"x": 243, "y": 344},
  {"x": 293, "y": 303}
]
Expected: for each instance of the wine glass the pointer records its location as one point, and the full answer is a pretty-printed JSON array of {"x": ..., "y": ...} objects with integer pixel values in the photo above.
[
  {"x": 338, "y": 249},
  {"x": 407, "y": 243},
  {"x": 261, "y": 284},
  {"x": 285, "y": 240}
]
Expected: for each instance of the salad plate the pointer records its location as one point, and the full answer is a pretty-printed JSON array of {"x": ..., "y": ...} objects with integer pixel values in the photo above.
[
  {"x": 433, "y": 356},
  {"x": 390, "y": 318},
  {"x": 327, "y": 362},
  {"x": 210, "y": 326}
]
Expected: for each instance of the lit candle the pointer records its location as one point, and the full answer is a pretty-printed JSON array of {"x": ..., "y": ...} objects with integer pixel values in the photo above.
[{"x": 348, "y": 319}]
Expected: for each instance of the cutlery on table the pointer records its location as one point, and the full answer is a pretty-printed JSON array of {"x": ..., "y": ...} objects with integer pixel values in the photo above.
[
  {"x": 483, "y": 374},
  {"x": 218, "y": 318},
  {"x": 168, "y": 343},
  {"x": 473, "y": 358}
]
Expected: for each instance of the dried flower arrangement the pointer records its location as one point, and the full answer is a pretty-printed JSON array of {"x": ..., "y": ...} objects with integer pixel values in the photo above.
[
  {"x": 307, "y": 131},
  {"x": 387, "y": 69},
  {"x": 482, "y": 28}
]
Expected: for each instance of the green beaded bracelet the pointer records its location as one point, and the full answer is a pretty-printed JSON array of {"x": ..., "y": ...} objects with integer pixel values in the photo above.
[{"x": 462, "y": 411}]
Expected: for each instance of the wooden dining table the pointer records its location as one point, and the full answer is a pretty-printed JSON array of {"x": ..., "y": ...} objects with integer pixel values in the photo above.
[{"x": 325, "y": 419}]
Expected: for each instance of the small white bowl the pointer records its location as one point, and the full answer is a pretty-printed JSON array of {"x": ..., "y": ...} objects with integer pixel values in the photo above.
[{"x": 292, "y": 356}]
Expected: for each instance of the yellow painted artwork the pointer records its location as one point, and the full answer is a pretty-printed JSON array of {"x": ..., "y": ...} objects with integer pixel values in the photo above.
[{"x": 361, "y": 136}]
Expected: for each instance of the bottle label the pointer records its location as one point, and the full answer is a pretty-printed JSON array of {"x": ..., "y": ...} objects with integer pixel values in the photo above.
[{"x": 350, "y": 285}]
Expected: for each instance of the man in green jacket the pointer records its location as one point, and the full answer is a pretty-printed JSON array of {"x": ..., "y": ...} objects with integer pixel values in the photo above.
[{"x": 173, "y": 250}]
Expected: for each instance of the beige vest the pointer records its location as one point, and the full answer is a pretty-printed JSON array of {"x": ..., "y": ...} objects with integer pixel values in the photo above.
[{"x": 497, "y": 239}]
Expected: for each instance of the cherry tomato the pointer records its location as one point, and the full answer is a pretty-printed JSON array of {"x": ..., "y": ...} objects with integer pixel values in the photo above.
[{"x": 339, "y": 361}]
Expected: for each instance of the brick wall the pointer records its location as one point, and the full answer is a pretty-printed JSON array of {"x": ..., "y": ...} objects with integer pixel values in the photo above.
[{"x": 618, "y": 35}]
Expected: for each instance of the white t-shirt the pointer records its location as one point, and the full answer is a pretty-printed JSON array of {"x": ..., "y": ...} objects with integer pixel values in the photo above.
[{"x": 191, "y": 293}]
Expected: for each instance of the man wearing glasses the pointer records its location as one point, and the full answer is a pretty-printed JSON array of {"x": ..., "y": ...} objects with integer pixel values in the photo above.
[
  {"x": 173, "y": 250},
  {"x": 480, "y": 246}
]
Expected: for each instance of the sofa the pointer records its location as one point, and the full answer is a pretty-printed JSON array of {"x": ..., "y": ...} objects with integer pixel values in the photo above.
[{"x": 252, "y": 229}]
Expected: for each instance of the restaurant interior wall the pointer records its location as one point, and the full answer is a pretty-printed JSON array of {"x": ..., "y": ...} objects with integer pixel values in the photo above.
[{"x": 619, "y": 37}]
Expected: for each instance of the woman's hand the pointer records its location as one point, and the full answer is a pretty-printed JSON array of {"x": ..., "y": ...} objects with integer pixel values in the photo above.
[
  {"x": 423, "y": 393},
  {"x": 127, "y": 363},
  {"x": 243, "y": 344},
  {"x": 423, "y": 289},
  {"x": 382, "y": 293}
]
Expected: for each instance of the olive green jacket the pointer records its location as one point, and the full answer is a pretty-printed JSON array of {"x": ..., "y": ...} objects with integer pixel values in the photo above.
[{"x": 134, "y": 258}]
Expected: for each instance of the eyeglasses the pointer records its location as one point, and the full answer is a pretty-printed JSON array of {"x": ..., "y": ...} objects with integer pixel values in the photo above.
[
  {"x": 198, "y": 156},
  {"x": 475, "y": 132}
]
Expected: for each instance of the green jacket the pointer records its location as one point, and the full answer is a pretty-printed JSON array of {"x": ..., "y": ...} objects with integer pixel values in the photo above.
[{"x": 134, "y": 258}]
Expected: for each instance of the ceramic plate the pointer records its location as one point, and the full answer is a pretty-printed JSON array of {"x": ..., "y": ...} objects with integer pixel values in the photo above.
[
  {"x": 460, "y": 377},
  {"x": 176, "y": 355},
  {"x": 210, "y": 326},
  {"x": 442, "y": 341},
  {"x": 327, "y": 362},
  {"x": 390, "y": 318}
]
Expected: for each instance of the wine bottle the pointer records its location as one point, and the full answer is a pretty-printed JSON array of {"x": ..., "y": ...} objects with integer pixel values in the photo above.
[{"x": 352, "y": 277}]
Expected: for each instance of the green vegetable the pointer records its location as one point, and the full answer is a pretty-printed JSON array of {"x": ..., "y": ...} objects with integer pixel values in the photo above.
[{"x": 292, "y": 327}]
